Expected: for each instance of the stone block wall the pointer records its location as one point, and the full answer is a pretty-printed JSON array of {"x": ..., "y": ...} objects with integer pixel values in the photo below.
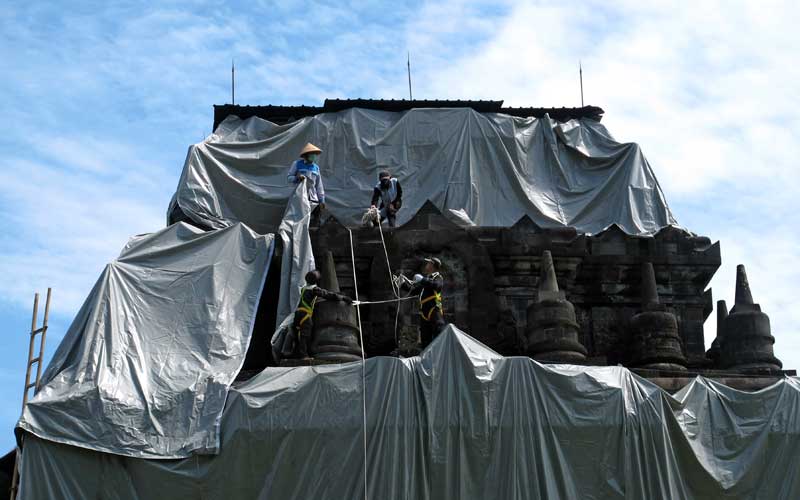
[{"x": 491, "y": 277}]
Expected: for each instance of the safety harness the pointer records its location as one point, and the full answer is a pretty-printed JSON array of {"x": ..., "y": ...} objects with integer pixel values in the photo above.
[
  {"x": 304, "y": 306},
  {"x": 436, "y": 297}
]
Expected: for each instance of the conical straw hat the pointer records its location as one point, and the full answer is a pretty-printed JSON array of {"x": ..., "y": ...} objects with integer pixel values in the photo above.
[{"x": 310, "y": 148}]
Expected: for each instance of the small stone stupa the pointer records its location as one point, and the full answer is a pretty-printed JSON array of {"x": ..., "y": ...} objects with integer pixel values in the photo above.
[
  {"x": 747, "y": 343},
  {"x": 552, "y": 328},
  {"x": 335, "y": 323},
  {"x": 655, "y": 341}
]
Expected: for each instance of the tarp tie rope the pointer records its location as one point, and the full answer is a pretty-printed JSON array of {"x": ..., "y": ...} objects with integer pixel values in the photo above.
[
  {"x": 395, "y": 288},
  {"x": 363, "y": 358}
]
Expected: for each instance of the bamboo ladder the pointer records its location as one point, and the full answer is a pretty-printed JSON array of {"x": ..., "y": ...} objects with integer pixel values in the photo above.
[{"x": 31, "y": 360}]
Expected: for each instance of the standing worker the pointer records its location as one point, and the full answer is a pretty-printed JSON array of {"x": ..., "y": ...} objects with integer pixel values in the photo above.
[
  {"x": 390, "y": 194},
  {"x": 430, "y": 300},
  {"x": 306, "y": 168},
  {"x": 304, "y": 314}
]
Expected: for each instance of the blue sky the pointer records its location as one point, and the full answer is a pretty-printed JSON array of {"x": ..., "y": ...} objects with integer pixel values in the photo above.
[{"x": 101, "y": 101}]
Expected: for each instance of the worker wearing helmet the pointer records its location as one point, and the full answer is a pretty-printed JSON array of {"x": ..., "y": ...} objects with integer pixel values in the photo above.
[
  {"x": 429, "y": 286},
  {"x": 306, "y": 168},
  {"x": 390, "y": 195},
  {"x": 304, "y": 314}
]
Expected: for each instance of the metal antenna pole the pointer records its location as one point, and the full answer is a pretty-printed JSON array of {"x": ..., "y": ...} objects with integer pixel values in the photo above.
[
  {"x": 233, "y": 83},
  {"x": 410, "y": 97},
  {"x": 580, "y": 72}
]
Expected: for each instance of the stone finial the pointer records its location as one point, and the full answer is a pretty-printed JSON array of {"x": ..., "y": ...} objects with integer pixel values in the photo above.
[
  {"x": 743, "y": 294},
  {"x": 722, "y": 313},
  {"x": 548, "y": 284},
  {"x": 327, "y": 269},
  {"x": 649, "y": 290}
]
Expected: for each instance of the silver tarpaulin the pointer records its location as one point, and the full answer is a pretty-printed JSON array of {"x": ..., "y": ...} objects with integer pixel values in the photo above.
[
  {"x": 492, "y": 168},
  {"x": 460, "y": 421},
  {"x": 145, "y": 368}
]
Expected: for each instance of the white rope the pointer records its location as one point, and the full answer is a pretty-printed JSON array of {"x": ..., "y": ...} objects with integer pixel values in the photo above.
[
  {"x": 395, "y": 287},
  {"x": 357, "y": 303},
  {"x": 370, "y": 302},
  {"x": 363, "y": 361}
]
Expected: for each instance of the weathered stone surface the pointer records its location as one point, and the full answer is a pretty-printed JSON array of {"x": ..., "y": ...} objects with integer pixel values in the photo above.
[
  {"x": 335, "y": 322},
  {"x": 492, "y": 275},
  {"x": 747, "y": 343},
  {"x": 656, "y": 343},
  {"x": 552, "y": 329}
]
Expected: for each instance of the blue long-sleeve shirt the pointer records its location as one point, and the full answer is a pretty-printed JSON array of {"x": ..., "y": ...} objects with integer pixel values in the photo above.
[{"x": 316, "y": 191}]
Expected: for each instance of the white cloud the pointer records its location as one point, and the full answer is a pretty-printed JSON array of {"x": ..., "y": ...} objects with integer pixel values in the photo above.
[
  {"x": 67, "y": 224},
  {"x": 707, "y": 88}
]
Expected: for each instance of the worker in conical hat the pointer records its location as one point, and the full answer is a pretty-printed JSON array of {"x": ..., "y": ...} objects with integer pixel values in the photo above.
[{"x": 306, "y": 169}]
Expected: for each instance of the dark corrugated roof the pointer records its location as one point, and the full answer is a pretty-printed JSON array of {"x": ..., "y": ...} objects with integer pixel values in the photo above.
[{"x": 286, "y": 114}]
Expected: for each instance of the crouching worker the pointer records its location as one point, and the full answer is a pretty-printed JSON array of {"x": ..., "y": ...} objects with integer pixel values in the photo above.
[
  {"x": 429, "y": 287},
  {"x": 304, "y": 314},
  {"x": 390, "y": 195}
]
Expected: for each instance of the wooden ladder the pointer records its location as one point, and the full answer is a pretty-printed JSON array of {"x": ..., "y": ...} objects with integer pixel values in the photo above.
[{"x": 41, "y": 334}]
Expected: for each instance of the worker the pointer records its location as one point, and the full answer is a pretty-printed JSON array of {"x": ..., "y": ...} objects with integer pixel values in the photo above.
[
  {"x": 304, "y": 314},
  {"x": 306, "y": 168},
  {"x": 429, "y": 286},
  {"x": 390, "y": 195}
]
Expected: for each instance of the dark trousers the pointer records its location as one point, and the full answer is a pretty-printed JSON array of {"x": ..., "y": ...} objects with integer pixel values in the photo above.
[
  {"x": 390, "y": 213},
  {"x": 302, "y": 337},
  {"x": 429, "y": 329},
  {"x": 316, "y": 215}
]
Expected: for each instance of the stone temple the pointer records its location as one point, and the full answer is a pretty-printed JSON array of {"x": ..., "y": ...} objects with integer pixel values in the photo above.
[
  {"x": 553, "y": 293},
  {"x": 573, "y": 365}
]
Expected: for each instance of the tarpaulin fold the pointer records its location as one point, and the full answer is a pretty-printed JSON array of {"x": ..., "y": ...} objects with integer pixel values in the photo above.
[
  {"x": 296, "y": 261},
  {"x": 461, "y": 421},
  {"x": 145, "y": 367},
  {"x": 491, "y": 168}
]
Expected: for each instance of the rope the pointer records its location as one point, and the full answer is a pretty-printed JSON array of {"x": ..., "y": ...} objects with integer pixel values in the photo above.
[
  {"x": 363, "y": 360},
  {"x": 395, "y": 288},
  {"x": 357, "y": 303},
  {"x": 370, "y": 302}
]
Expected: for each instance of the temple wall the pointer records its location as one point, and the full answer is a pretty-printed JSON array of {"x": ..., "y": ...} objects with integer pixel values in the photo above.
[{"x": 491, "y": 278}]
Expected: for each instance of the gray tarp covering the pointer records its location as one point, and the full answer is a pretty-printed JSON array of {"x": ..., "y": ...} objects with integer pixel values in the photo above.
[
  {"x": 145, "y": 368},
  {"x": 298, "y": 256},
  {"x": 296, "y": 261},
  {"x": 460, "y": 421},
  {"x": 495, "y": 167}
]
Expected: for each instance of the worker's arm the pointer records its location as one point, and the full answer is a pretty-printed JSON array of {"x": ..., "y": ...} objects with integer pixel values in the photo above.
[
  {"x": 435, "y": 282},
  {"x": 320, "y": 189},
  {"x": 328, "y": 295},
  {"x": 292, "y": 176},
  {"x": 376, "y": 195},
  {"x": 419, "y": 284}
]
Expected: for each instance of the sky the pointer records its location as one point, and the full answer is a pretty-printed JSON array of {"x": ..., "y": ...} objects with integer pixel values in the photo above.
[{"x": 101, "y": 101}]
